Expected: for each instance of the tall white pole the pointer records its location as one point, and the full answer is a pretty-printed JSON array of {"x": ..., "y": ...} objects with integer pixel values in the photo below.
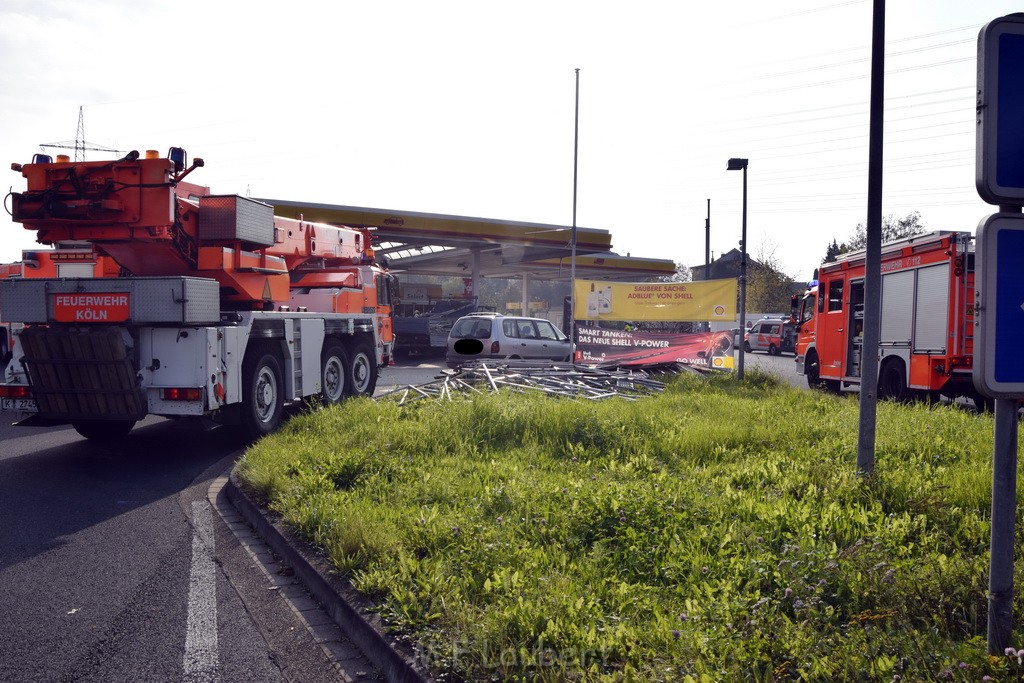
[{"x": 572, "y": 259}]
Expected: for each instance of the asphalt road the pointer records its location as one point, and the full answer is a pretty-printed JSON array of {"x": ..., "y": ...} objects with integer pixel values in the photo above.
[
  {"x": 114, "y": 567},
  {"x": 783, "y": 365}
]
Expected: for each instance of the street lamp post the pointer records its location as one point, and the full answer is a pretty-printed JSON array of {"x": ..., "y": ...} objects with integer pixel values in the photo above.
[{"x": 741, "y": 165}]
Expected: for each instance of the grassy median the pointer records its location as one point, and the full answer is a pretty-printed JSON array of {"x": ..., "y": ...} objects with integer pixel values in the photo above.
[{"x": 715, "y": 532}]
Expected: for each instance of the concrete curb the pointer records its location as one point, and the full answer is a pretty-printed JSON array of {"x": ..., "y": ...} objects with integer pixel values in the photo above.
[{"x": 349, "y": 610}]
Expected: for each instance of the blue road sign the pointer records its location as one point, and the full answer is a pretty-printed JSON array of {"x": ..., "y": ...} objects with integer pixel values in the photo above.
[
  {"x": 999, "y": 169},
  {"x": 999, "y": 306}
]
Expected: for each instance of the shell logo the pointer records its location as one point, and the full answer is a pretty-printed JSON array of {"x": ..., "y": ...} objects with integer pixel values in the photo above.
[
  {"x": 717, "y": 362},
  {"x": 719, "y": 310}
]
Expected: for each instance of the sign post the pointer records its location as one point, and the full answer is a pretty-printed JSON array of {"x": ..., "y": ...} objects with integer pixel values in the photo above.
[
  {"x": 999, "y": 291},
  {"x": 999, "y": 373}
]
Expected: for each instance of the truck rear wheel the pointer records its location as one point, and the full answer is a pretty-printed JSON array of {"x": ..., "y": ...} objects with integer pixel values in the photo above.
[
  {"x": 103, "y": 430},
  {"x": 262, "y": 393},
  {"x": 333, "y": 371},
  {"x": 892, "y": 382},
  {"x": 362, "y": 377}
]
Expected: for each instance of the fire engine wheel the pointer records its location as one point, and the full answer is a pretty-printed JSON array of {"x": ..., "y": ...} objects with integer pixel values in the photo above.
[
  {"x": 892, "y": 382},
  {"x": 362, "y": 378},
  {"x": 813, "y": 371},
  {"x": 262, "y": 394},
  {"x": 103, "y": 430},
  {"x": 333, "y": 369},
  {"x": 814, "y": 380}
]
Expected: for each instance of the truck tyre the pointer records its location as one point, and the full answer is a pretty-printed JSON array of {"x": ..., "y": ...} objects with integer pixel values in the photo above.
[
  {"x": 983, "y": 404},
  {"x": 333, "y": 371},
  {"x": 813, "y": 370},
  {"x": 812, "y": 367},
  {"x": 832, "y": 386},
  {"x": 362, "y": 375},
  {"x": 103, "y": 430},
  {"x": 892, "y": 382},
  {"x": 262, "y": 393}
]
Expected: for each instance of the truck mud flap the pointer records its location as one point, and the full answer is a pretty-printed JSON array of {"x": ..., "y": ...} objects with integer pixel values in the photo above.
[{"x": 82, "y": 374}]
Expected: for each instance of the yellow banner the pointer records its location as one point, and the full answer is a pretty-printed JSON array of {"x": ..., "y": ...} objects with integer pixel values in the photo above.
[{"x": 667, "y": 301}]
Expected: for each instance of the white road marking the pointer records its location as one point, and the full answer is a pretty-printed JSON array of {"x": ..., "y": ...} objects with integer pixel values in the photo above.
[{"x": 201, "y": 660}]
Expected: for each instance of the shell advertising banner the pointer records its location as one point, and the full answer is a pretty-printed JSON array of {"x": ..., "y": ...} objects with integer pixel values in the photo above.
[
  {"x": 670, "y": 301},
  {"x": 639, "y": 302},
  {"x": 637, "y": 348}
]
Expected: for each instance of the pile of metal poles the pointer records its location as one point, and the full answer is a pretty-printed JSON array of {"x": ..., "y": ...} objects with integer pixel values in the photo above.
[{"x": 555, "y": 379}]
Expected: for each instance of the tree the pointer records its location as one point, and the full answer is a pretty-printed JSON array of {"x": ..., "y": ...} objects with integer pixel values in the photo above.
[
  {"x": 832, "y": 252},
  {"x": 768, "y": 288},
  {"x": 682, "y": 274},
  {"x": 892, "y": 229}
]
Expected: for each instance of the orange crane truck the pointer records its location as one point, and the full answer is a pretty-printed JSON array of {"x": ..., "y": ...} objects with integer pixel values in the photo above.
[
  {"x": 926, "y": 339},
  {"x": 217, "y": 309}
]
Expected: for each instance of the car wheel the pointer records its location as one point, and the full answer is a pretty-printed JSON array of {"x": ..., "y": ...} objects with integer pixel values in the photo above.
[
  {"x": 746, "y": 347},
  {"x": 772, "y": 350}
]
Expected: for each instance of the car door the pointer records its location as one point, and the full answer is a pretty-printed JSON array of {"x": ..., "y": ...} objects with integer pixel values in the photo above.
[
  {"x": 770, "y": 336},
  {"x": 530, "y": 345},
  {"x": 553, "y": 345},
  {"x": 756, "y": 337}
]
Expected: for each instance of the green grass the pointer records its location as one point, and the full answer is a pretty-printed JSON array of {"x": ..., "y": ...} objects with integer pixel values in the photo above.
[{"x": 715, "y": 532}]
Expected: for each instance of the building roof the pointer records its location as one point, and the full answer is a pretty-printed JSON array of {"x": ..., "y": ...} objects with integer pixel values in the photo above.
[{"x": 440, "y": 244}]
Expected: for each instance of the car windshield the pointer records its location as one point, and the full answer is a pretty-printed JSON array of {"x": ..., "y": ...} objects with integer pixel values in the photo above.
[{"x": 807, "y": 308}]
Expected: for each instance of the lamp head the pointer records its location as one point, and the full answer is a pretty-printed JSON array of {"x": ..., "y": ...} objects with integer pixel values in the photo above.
[{"x": 736, "y": 165}]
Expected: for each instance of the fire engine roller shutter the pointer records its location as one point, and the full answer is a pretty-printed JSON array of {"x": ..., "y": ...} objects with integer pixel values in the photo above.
[
  {"x": 897, "y": 308},
  {"x": 931, "y": 319}
]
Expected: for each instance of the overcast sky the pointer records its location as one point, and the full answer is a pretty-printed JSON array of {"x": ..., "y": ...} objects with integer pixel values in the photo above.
[{"x": 467, "y": 108}]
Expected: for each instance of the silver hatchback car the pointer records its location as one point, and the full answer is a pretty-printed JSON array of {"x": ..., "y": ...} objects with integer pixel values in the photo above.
[{"x": 491, "y": 336}]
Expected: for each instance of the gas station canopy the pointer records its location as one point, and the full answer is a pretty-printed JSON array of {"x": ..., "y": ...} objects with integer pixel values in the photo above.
[{"x": 461, "y": 246}]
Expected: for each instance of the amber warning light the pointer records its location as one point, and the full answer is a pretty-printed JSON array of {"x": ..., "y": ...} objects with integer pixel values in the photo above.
[{"x": 91, "y": 308}]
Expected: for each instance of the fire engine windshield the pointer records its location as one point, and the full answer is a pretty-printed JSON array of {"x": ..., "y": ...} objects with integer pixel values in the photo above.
[{"x": 807, "y": 307}]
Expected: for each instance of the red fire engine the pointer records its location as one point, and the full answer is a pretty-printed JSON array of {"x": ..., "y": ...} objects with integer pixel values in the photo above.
[{"x": 926, "y": 327}]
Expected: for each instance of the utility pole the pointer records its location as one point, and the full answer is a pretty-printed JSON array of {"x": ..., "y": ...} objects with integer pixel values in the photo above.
[
  {"x": 572, "y": 260},
  {"x": 873, "y": 253}
]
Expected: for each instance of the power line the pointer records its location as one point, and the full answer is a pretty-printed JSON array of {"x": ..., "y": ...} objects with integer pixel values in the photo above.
[{"x": 761, "y": 116}]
